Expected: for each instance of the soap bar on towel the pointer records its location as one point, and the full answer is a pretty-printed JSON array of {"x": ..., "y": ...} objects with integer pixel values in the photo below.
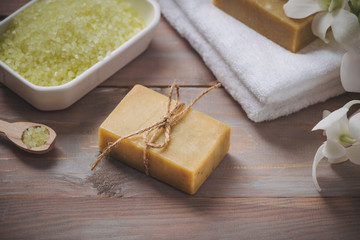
[
  {"x": 268, "y": 18},
  {"x": 198, "y": 142}
]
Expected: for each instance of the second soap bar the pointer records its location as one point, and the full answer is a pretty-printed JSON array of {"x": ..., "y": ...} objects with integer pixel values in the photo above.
[
  {"x": 198, "y": 142},
  {"x": 268, "y": 18}
]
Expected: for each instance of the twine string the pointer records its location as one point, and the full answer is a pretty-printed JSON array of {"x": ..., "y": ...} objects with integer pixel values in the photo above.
[{"x": 152, "y": 132}]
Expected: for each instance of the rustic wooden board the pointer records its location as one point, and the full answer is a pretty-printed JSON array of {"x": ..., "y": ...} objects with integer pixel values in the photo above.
[
  {"x": 261, "y": 190},
  {"x": 7, "y": 7},
  {"x": 170, "y": 57},
  {"x": 180, "y": 218},
  {"x": 268, "y": 159}
]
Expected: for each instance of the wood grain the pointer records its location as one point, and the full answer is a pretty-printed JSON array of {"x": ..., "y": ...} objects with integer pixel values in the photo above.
[
  {"x": 268, "y": 159},
  {"x": 261, "y": 190},
  {"x": 170, "y": 57},
  {"x": 7, "y": 7},
  {"x": 180, "y": 218}
]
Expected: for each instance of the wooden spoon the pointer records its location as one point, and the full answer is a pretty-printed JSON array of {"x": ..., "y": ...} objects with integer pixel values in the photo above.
[{"x": 14, "y": 132}]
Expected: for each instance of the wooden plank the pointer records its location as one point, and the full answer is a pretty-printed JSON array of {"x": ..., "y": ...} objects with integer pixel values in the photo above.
[
  {"x": 7, "y": 7},
  {"x": 179, "y": 218},
  {"x": 261, "y": 190},
  {"x": 168, "y": 59},
  {"x": 267, "y": 159}
]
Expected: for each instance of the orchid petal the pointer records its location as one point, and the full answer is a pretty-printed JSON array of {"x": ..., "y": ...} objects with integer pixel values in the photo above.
[
  {"x": 351, "y": 103},
  {"x": 318, "y": 156},
  {"x": 331, "y": 119},
  {"x": 338, "y": 160},
  {"x": 350, "y": 72},
  {"x": 301, "y": 8},
  {"x": 353, "y": 153},
  {"x": 354, "y": 126},
  {"x": 338, "y": 129},
  {"x": 337, "y": 124},
  {"x": 320, "y": 24},
  {"x": 333, "y": 150},
  {"x": 335, "y": 4},
  {"x": 326, "y": 113},
  {"x": 345, "y": 28},
  {"x": 324, "y": 4},
  {"x": 345, "y": 4}
]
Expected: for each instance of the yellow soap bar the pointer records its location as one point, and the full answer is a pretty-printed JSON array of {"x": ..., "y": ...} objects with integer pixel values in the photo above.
[
  {"x": 268, "y": 18},
  {"x": 198, "y": 142}
]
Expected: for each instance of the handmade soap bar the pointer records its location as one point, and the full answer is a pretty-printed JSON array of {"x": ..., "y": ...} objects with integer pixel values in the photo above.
[
  {"x": 268, "y": 18},
  {"x": 198, "y": 142}
]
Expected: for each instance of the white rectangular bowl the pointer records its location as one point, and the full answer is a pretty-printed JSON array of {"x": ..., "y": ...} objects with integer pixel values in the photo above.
[{"x": 63, "y": 96}]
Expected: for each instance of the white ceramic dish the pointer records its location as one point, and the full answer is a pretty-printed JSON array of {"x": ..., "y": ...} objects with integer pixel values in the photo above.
[{"x": 63, "y": 96}]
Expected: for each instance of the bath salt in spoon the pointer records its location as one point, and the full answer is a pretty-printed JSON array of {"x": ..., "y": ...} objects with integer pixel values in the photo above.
[{"x": 31, "y": 137}]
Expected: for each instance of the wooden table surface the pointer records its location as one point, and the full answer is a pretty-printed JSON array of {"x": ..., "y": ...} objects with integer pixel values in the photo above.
[{"x": 261, "y": 190}]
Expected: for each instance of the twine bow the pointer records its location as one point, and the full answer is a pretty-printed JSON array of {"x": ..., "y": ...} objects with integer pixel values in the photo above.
[{"x": 167, "y": 122}]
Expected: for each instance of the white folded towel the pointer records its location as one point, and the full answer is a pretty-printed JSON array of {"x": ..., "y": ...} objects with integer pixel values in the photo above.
[{"x": 266, "y": 79}]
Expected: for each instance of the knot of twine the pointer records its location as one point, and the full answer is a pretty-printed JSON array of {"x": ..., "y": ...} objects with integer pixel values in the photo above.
[{"x": 167, "y": 122}]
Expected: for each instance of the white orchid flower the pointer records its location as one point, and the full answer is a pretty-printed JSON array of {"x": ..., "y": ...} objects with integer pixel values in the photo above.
[
  {"x": 350, "y": 71},
  {"x": 350, "y": 65},
  {"x": 329, "y": 14},
  {"x": 343, "y": 17},
  {"x": 343, "y": 138}
]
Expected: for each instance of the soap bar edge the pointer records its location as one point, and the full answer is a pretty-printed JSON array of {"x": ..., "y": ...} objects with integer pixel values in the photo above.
[
  {"x": 299, "y": 39},
  {"x": 225, "y": 136}
]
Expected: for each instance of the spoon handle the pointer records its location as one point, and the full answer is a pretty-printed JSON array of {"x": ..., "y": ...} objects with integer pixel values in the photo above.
[{"x": 4, "y": 126}]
